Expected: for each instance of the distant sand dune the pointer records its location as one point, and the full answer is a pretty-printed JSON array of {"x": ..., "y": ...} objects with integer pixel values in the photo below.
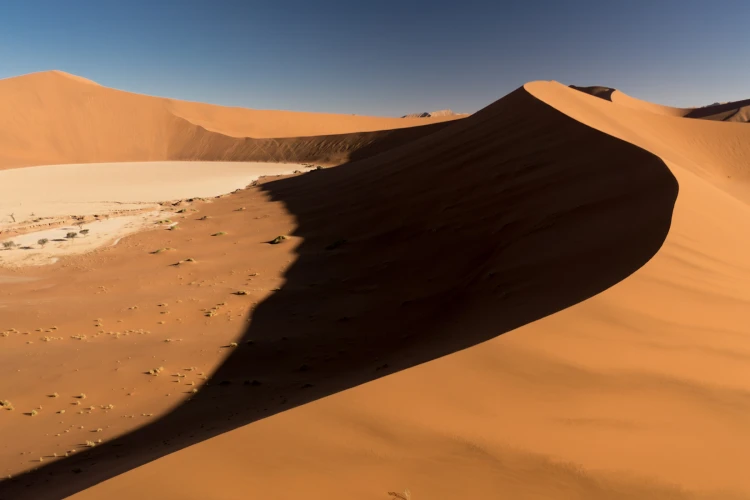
[
  {"x": 737, "y": 111},
  {"x": 52, "y": 118}
]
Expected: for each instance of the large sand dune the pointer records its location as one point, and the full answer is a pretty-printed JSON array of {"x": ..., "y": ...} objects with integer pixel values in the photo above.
[
  {"x": 606, "y": 243},
  {"x": 53, "y": 117}
]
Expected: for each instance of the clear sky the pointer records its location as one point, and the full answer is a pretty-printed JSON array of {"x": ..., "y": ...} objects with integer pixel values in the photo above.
[{"x": 383, "y": 57}]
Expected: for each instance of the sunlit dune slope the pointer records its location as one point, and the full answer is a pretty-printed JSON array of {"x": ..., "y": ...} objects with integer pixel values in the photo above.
[{"x": 53, "y": 117}]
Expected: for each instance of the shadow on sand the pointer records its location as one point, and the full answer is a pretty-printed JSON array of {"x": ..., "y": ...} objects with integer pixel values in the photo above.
[{"x": 486, "y": 225}]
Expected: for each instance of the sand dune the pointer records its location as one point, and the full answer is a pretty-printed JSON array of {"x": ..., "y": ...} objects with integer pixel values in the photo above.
[
  {"x": 581, "y": 260},
  {"x": 737, "y": 111},
  {"x": 53, "y": 117}
]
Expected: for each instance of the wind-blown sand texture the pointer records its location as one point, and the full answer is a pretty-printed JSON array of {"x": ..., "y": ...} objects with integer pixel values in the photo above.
[{"x": 547, "y": 299}]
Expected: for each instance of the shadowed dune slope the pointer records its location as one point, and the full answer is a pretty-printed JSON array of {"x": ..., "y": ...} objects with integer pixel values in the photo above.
[
  {"x": 736, "y": 111},
  {"x": 641, "y": 391},
  {"x": 494, "y": 222},
  {"x": 53, "y": 118}
]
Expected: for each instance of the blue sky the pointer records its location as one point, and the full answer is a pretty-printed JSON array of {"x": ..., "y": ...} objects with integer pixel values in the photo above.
[{"x": 386, "y": 57}]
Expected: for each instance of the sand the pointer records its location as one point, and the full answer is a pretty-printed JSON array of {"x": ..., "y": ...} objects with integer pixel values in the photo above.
[
  {"x": 53, "y": 117},
  {"x": 547, "y": 299},
  {"x": 735, "y": 111}
]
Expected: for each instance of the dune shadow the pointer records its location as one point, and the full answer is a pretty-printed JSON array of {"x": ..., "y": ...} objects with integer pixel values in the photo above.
[{"x": 486, "y": 225}]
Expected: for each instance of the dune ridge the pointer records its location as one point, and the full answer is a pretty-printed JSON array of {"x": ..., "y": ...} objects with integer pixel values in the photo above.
[{"x": 53, "y": 117}]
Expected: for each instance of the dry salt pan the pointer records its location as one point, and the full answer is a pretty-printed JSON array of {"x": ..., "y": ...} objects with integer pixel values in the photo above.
[{"x": 125, "y": 196}]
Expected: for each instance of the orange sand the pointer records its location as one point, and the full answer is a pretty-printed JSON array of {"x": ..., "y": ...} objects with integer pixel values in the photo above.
[
  {"x": 547, "y": 299},
  {"x": 52, "y": 118}
]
